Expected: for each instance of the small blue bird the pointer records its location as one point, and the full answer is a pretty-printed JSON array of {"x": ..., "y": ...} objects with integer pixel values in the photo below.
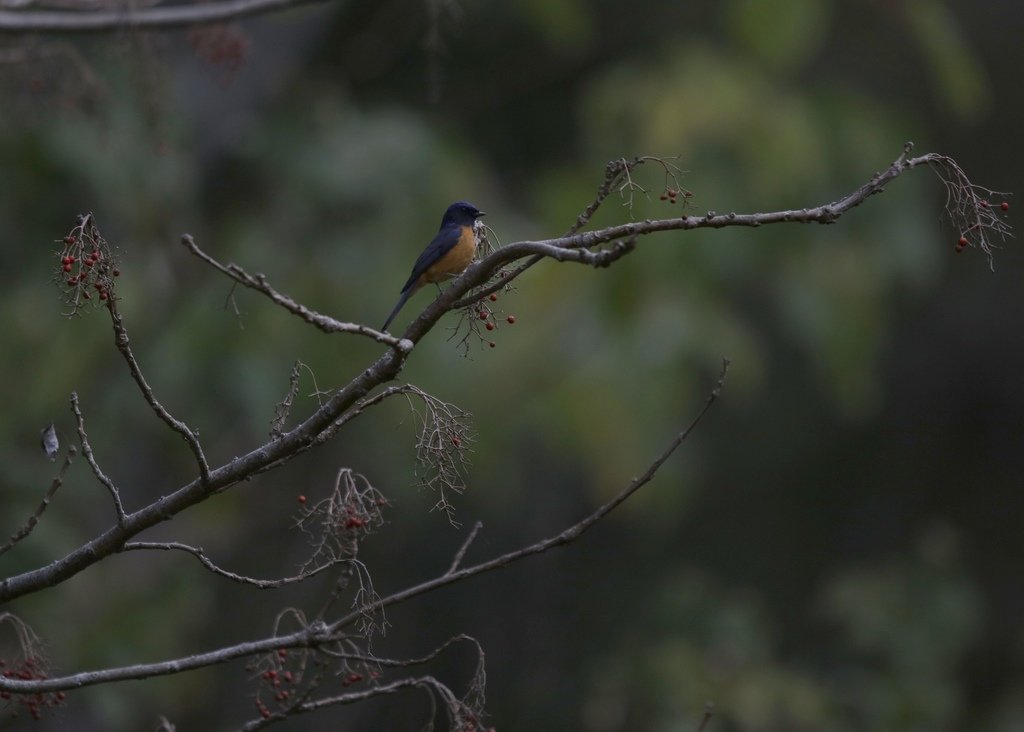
[{"x": 450, "y": 252}]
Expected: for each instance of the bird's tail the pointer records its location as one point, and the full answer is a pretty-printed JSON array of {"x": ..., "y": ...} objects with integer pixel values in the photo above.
[{"x": 398, "y": 306}]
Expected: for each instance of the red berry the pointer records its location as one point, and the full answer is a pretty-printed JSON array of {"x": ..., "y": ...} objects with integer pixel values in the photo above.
[
  {"x": 72, "y": 280},
  {"x": 282, "y": 653},
  {"x": 117, "y": 273},
  {"x": 494, "y": 297},
  {"x": 483, "y": 315},
  {"x": 288, "y": 676},
  {"x": 492, "y": 344},
  {"x": 67, "y": 267},
  {"x": 456, "y": 441},
  {"x": 69, "y": 239},
  {"x": 962, "y": 242},
  {"x": 1005, "y": 206},
  {"x": 663, "y": 197},
  {"x": 983, "y": 204},
  {"x": 672, "y": 200},
  {"x": 302, "y": 499},
  {"x": 103, "y": 295},
  {"x": 672, "y": 193},
  {"x": 511, "y": 319},
  {"x": 489, "y": 326}
]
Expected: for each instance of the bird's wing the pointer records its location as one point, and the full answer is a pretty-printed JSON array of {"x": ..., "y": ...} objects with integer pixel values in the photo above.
[{"x": 446, "y": 238}]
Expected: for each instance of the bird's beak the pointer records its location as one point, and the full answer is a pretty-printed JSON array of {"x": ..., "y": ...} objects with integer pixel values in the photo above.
[{"x": 481, "y": 213}]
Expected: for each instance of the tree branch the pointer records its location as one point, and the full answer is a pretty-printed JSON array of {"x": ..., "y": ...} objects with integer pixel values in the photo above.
[
  {"x": 479, "y": 274},
  {"x": 259, "y": 283},
  {"x": 124, "y": 346},
  {"x": 336, "y": 410},
  {"x": 318, "y": 633},
  {"x": 147, "y": 18},
  {"x": 278, "y": 451}
]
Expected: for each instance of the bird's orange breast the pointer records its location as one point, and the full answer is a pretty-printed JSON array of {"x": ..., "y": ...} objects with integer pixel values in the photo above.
[{"x": 456, "y": 260}]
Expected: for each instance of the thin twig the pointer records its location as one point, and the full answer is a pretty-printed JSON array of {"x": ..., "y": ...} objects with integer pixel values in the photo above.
[
  {"x": 199, "y": 554},
  {"x": 102, "y": 477},
  {"x": 230, "y": 300},
  {"x": 332, "y": 429},
  {"x": 30, "y": 524},
  {"x": 284, "y": 407},
  {"x": 709, "y": 710},
  {"x": 350, "y": 697},
  {"x": 406, "y": 662},
  {"x": 360, "y": 407},
  {"x": 258, "y": 282},
  {"x": 123, "y": 345},
  {"x": 461, "y": 553}
]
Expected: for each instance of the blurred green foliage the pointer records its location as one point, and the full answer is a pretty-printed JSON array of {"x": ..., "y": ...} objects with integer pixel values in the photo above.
[{"x": 836, "y": 547}]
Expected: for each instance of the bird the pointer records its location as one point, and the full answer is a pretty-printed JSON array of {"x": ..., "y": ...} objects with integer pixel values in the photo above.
[{"x": 448, "y": 254}]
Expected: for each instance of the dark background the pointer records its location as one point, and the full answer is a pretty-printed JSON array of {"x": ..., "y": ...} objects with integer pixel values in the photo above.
[{"x": 837, "y": 547}]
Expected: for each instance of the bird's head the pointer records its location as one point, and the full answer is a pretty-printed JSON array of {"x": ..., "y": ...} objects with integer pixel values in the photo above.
[{"x": 461, "y": 213}]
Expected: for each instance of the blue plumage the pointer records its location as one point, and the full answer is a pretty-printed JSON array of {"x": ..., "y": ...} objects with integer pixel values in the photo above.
[{"x": 448, "y": 253}]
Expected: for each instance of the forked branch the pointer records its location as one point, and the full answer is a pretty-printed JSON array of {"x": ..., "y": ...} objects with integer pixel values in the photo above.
[{"x": 318, "y": 633}]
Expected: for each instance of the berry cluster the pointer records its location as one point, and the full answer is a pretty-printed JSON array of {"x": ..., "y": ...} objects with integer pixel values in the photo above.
[
  {"x": 357, "y": 519},
  {"x": 282, "y": 676},
  {"x": 489, "y": 316},
  {"x": 86, "y": 265},
  {"x": 963, "y": 242},
  {"x": 354, "y": 677},
  {"x": 278, "y": 680},
  {"x": 361, "y": 511},
  {"x": 337, "y": 523},
  {"x": 28, "y": 669},
  {"x": 672, "y": 194}
]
